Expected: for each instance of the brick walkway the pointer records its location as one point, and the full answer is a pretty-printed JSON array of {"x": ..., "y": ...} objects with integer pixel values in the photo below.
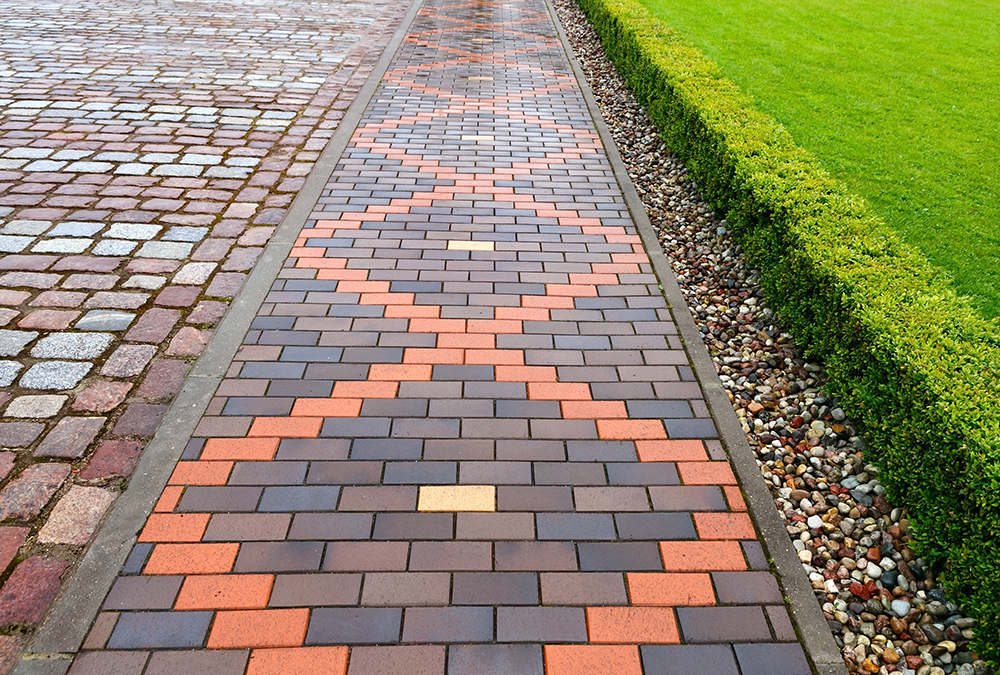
[{"x": 462, "y": 434}]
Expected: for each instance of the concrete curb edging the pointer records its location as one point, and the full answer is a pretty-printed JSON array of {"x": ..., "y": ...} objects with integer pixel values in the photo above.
[
  {"x": 66, "y": 626},
  {"x": 810, "y": 623}
]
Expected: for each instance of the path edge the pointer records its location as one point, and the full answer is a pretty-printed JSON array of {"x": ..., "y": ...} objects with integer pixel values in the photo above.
[
  {"x": 65, "y": 627},
  {"x": 811, "y": 626}
]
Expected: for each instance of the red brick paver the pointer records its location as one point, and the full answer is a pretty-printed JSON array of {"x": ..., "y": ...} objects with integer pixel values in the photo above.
[{"x": 454, "y": 407}]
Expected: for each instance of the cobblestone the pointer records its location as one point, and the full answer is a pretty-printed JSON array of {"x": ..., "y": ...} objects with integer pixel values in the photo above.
[
  {"x": 19, "y": 434},
  {"x": 75, "y": 229},
  {"x": 37, "y": 407},
  {"x": 59, "y": 375},
  {"x": 117, "y": 300},
  {"x": 153, "y": 326},
  {"x": 29, "y": 280},
  {"x": 128, "y": 360},
  {"x": 98, "y": 320},
  {"x": 147, "y": 281},
  {"x": 189, "y": 342},
  {"x": 12, "y": 342},
  {"x": 31, "y": 490},
  {"x": 163, "y": 249},
  {"x": 29, "y": 590},
  {"x": 101, "y": 396},
  {"x": 137, "y": 231},
  {"x": 48, "y": 319},
  {"x": 112, "y": 459},
  {"x": 194, "y": 273},
  {"x": 11, "y": 539},
  {"x": 75, "y": 516},
  {"x": 76, "y": 346},
  {"x": 9, "y": 371},
  {"x": 70, "y": 437},
  {"x": 165, "y": 379}
]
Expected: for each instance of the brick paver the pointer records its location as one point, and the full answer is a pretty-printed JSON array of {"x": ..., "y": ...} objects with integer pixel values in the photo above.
[
  {"x": 462, "y": 434},
  {"x": 147, "y": 152}
]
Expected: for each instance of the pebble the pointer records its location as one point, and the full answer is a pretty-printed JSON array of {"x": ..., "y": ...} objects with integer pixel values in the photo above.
[{"x": 808, "y": 447}]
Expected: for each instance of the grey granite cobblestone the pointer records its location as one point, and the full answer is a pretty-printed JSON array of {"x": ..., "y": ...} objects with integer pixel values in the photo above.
[
  {"x": 9, "y": 371},
  {"x": 59, "y": 375},
  {"x": 13, "y": 341}
]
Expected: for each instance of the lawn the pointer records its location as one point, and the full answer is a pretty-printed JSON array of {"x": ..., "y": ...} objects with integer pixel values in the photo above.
[{"x": 900, "y": 100}]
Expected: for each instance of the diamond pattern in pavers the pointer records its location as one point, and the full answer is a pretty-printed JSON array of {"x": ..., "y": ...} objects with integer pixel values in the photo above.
[{"x": 465, "y": 409}]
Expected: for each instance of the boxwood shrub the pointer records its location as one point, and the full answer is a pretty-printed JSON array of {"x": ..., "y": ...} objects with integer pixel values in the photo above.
[{"x": 910, "y": 360}]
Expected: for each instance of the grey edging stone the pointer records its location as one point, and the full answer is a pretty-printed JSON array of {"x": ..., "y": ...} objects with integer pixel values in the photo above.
[
  {"x": 69, "y": 620},
  {"x": 42, "y": 666},
  {"x": 810, "y": 623}
]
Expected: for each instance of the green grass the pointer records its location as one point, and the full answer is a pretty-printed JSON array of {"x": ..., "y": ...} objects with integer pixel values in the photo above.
[{"x": 900, "y": 100}]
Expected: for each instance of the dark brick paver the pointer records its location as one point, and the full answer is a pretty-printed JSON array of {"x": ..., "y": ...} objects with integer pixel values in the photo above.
[{"x": 462, "y": 435}]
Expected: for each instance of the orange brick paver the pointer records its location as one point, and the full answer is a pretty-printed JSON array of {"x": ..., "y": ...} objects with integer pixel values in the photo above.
[
  {"x": 191, "y": 559},
  {"x": 174, "y": 527},
  {"x": 702, "y": 556},
  {"x": 299, "y": 660},
  {"x": 671, "y": 451},
  {"x": 632, "y": 625},
  {"x": 300, "y": 427},
  {"x": 258, "y": 628},
  {"x": 318, "y": 408},
  {"x": 201, "y": 473},
  {"x": 619, "y": 430},
  {"x": 588, "y": 410},
  {"x": 592, "y": 660},
  {"x": 245, "y": 449},
  {"x": 706, "y": 473},
  {"x": 724, "y": 526},
  {"x": 670, "y": 590},
  {"x": 229, "y": 591}
]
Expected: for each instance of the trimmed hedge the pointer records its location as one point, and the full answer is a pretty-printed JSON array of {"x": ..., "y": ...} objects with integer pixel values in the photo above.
[{"x": 909, "y": 359}]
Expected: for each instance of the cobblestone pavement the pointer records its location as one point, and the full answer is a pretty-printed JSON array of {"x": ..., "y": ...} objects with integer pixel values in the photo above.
[
  {"x": 147, "y": 151},
  {"x": 462, "y": 434}
]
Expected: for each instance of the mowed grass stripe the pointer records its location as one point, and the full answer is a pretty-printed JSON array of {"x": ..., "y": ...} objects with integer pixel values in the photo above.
[{"x": 898, "y": 100}]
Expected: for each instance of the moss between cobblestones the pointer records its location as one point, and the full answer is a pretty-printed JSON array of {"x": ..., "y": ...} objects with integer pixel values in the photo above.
[{"x": 906, "y": 356}]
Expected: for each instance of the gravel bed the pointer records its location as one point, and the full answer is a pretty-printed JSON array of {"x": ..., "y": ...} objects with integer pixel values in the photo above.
[{"x": 881, "y": 601}]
